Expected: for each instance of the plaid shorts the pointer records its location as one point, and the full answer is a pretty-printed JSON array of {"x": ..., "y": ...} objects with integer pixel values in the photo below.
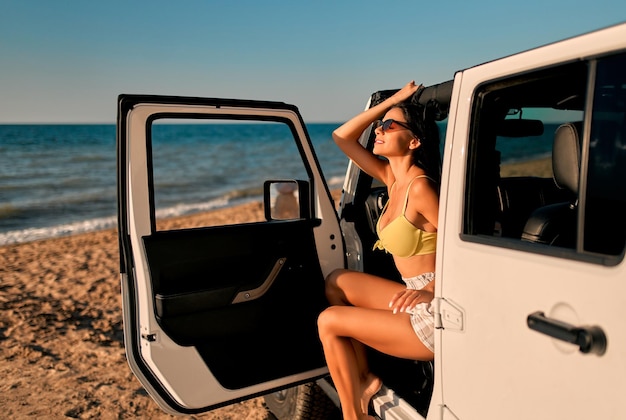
[{"x": 422, "y": 319}]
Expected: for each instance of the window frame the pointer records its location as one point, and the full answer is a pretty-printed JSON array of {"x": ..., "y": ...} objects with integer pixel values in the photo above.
[{"x": 475, "y": 190}]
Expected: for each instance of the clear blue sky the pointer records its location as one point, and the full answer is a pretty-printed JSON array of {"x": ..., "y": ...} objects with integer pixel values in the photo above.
[{"x": 67, "y": 60}]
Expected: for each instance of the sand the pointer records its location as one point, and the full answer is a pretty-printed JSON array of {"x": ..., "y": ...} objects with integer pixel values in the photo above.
[{"x": 62, "y": 351}]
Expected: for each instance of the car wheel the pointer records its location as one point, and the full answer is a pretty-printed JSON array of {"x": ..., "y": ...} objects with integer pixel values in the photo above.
[{"x": 303, "y": 402}]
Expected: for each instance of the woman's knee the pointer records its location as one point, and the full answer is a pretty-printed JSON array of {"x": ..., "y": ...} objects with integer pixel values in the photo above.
[{"x": 325, "y": 322}]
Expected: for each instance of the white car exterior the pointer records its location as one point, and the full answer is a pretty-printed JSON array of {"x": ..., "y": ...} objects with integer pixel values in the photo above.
[{"x": 492, "y": 365}]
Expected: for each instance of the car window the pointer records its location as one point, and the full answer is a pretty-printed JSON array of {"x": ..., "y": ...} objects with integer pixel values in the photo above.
[
  {"x": 605, "y": 199},
  {"x": 224, "y": 163},
  {"x": 546, "y": 165},
  {"x": 530, "y": 154}
]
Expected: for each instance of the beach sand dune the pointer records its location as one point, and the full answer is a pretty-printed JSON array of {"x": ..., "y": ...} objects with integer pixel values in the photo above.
[{"x": 62, "y": 351}]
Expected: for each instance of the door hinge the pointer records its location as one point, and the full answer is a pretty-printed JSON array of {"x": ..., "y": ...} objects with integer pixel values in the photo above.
[{"x": 448, "y": 315}]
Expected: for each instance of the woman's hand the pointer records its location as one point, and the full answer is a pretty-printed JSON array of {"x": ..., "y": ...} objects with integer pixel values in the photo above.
[
  {"x": 409, "y": 298},
  {"x": 405, "y": 93}
]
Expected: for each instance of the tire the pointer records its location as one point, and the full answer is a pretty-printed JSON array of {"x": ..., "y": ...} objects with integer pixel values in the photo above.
[{"x": 303, "y": 402}]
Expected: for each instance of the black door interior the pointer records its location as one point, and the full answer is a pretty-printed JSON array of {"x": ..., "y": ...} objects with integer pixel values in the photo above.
[{"x": 245, "y": 296}]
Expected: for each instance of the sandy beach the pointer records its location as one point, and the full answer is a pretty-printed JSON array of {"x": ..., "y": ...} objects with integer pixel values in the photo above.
[{"x": 62, "y": 352}]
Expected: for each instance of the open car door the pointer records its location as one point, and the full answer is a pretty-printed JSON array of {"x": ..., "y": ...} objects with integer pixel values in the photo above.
[{"x": 220, "y": 311}]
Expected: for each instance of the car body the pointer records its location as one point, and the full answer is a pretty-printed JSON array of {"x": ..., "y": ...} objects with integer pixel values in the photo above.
[{"x": 531, "y": 280}]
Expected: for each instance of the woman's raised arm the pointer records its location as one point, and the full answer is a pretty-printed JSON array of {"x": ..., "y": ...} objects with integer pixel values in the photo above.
[{"x": 348, "y": 134}]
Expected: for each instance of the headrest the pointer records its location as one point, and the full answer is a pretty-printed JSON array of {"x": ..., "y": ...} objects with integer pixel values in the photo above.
[{"x": 566, "y": 155}]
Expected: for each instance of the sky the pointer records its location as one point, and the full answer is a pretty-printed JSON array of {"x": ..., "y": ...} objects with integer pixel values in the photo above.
[{"x": 66, "y": 61}]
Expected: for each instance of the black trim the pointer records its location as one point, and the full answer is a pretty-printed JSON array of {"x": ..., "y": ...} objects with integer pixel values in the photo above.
[{"x": 129, "y": 101}]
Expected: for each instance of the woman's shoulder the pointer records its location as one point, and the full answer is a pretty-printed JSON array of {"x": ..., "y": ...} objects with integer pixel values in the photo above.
[
  {"x": 425, "y": 177},
  {"x": 423, "y": 187},
  {"x": 421, "y": 182}
]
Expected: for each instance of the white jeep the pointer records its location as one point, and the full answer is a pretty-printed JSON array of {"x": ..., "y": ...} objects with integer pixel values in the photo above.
[{"x": 531, "y": 279}]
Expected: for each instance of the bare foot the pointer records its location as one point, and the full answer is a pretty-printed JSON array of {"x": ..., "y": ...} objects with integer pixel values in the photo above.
[{"x": 369, "y": 388}]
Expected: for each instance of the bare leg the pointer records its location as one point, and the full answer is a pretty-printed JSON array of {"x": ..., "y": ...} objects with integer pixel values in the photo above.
[
  {"x": 342, "y": 364},
  {"x": 370, "y": 383},
  {"x": 346, "y": 287},
  {"x": 369, "y": 387},
  {"x": 380, "y": 329},
  {"x": 351, "y": 288}
]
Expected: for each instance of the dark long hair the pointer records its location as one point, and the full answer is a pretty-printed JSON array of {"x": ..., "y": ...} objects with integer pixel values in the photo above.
[{"x": 423, "y": 126}]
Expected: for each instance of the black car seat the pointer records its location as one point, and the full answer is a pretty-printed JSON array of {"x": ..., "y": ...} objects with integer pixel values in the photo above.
[{"x": 555, "y": 224}]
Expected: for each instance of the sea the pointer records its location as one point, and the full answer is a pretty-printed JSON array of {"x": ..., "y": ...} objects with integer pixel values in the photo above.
[{"x": 60, "y": 179}]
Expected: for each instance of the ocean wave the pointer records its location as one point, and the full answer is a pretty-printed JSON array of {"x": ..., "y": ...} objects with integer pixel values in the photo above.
[
  {"x": 185, "y": 209},
  {"x": 92, "y": 225},
  {"x": 34, "y": 234}
]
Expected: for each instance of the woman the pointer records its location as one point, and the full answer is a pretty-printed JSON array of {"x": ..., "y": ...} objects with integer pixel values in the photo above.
[{"x": 388, "y": 316}]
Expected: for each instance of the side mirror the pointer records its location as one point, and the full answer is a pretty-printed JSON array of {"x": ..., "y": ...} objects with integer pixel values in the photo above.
[{"x": 286, "y": 200}]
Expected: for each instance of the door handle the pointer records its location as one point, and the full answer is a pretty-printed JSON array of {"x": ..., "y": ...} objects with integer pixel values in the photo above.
[{"x": 589, "y": 339}]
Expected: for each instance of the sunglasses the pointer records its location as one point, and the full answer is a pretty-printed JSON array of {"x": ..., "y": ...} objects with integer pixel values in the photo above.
[{"x": 386, "y": 125}]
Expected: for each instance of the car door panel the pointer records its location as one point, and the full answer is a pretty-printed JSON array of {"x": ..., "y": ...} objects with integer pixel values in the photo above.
[
  {"x": 197, "y": 279},
  {"x": 216, "y": 314}
]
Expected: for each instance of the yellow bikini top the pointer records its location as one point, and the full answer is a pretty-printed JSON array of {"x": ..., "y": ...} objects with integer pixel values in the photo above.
[{"x": 400, "y": 238}]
